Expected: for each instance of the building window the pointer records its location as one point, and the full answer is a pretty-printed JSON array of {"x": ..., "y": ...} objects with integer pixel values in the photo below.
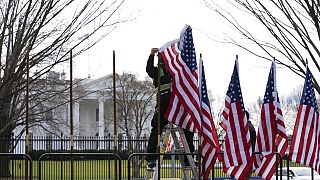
[{"x": 97, "y": 114}]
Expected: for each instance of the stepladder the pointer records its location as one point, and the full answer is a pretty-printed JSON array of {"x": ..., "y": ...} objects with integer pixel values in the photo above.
[{"x": 175, "y": 134}]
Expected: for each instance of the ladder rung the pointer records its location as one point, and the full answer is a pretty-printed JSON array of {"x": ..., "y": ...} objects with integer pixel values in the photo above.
[
  {"x": 175, "y": 129},
  {"x": 150, "y": 169},
  {"x": 180, "y": 150}
]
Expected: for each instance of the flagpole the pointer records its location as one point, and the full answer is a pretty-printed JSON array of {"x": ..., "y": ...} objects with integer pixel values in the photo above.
[
  {"x": 27, "y": 115},
  {"x": 158, "y": 109},
  {"x": 71, "y": 116},
  {"x": 275, "y": 100},
  {"x": 200, "y": 96},
  {"x": 306, "y": 62},
  {"x": 275, "y": 112},
  {"x": 237, "y": 63},
  {"x": 115, "y": 133}
]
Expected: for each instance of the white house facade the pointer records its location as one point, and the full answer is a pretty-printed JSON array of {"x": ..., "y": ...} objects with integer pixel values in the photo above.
[{"x": 92, "y": 112}]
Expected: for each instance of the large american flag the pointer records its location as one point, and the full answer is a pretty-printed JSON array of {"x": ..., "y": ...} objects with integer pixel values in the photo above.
[
  {"x": 180, "y": 59},
  {"x": 271, "y": 132},
  {"x": 186, "y": 109},
  {"x": 304, "y": 148},
  {"x": 237, "y": 147}
]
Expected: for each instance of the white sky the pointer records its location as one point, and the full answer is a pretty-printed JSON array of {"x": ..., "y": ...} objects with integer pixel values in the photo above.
[{"x": 158, "y": 22}]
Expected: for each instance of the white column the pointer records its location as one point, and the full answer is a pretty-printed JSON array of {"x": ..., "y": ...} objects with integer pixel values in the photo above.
[
  {"x": 76, "y": 111},
  {"x": 76, "y": 117},
  {"x": 101, "y": 117},
  {"x": 101, "y": 122}
]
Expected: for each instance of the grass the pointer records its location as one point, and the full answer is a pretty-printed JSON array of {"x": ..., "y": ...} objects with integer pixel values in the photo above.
[
  {"x": 87, "y": 169},
  {"x": 92, "y": 169}
]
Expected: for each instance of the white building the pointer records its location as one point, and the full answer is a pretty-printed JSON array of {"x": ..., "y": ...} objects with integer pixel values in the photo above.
[{"x": 92, "y": 111}]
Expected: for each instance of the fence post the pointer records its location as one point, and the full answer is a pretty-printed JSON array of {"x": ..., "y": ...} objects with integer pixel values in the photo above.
[{"x": 109, "y": 150}]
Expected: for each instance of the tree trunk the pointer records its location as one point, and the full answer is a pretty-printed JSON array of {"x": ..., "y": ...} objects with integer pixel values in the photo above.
[
  {"x": 6, "y": 128},
  {"x": 4, "y": 160}
]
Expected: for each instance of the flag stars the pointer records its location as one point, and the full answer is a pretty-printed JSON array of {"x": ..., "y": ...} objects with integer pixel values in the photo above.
[
  {"x": 204, "y": 93},
  {"x": 234, "y": 89},
  {"x": 269, "y": 93},
  {"x": 308, "y": 95},
  {"x": 188, "y": 54}
]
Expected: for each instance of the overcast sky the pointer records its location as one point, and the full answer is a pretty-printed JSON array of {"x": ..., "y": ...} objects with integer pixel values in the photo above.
[{"x": 158, "y": 22}]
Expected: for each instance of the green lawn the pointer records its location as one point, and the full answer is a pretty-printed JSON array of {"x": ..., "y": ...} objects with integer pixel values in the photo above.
[
  {"x": 88, "y": 169},
  {"x": 92, "y": 169},
  {"x": 83, "y": 169}
]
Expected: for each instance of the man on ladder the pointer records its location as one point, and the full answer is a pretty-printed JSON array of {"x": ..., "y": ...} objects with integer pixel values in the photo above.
[{"x": 165, "y": 94}]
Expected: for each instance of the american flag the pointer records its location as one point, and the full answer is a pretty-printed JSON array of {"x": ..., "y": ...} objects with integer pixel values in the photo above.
[
  {"x": 304, "y": 147},
  {"x": 186, "y": 110},
  {"x": 210, "y": 143},
  {"x": 180, "y": 59},
  {"x": 237, "y": 147},
  {"x": 271, "y": 132}
]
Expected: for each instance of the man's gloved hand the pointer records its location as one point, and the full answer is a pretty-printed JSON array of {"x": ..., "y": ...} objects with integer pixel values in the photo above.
[{"x": 153, "y": 51}]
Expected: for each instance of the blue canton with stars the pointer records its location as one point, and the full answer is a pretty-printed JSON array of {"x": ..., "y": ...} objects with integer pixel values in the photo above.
[
  {"x": 308, "y": 96},
  {"x": 268, "y": 98},
  {"x": 234, "y": 90},
  {"x": 204, "y": 92},
  {"x": 270, "y": 87},
  {"x": 188, "y": 53}
]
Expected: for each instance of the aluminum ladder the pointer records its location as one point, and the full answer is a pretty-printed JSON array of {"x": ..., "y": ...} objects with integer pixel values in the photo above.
[{"x": 180, "y": 147}]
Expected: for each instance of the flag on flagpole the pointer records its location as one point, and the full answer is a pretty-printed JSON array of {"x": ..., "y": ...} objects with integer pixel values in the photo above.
[
  {"x": 180, "y": 59},
  {"x": 189, "y": 108},
  {"x": 210, "y": 143},
  {"x": 237, "y": 153},
  {"x": 304, "y": 147},
  {"x": 271, "y": 136}
]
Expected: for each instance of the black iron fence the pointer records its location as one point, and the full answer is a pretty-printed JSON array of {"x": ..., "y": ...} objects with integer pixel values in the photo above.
[
  {"x": 58, "y": 166},
  {"x": 51, "y": 158},
  {"x": 15, "y": 165},
  {"x": 39, "y": 145}
]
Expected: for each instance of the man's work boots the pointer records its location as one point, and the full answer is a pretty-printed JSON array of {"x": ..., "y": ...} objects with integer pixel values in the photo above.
[{"x": 151, "y": 164}]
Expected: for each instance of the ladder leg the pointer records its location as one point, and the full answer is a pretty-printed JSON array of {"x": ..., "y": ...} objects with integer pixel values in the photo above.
[
  {"x": 189, "y": 157},
  {"x": 148, "y": 175},
  {"x": 184, "y": 149}
]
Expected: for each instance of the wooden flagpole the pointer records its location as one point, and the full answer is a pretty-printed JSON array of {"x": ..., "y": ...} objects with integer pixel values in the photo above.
[
  {"x": 27, "y": 116},
  {"x": 115, "y": 111},
  {"x": 159, "y": 117},
  {"x": 275, "y": 112},
  {"x": 200, "y": 96},
  {"x": 71, "y": 116}
]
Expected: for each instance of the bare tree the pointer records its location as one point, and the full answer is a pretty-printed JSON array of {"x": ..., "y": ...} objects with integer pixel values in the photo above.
[
  {"x": 254, "y": 109},
  {"x": 135, "y": 101},
  {"x": 291, "y": 30},
  {"x": 217, "y": 107},
  {"x": 49, "y": 101},
  {"x": 290, "y": 107},
  {"x": 41, "y": 32}
]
